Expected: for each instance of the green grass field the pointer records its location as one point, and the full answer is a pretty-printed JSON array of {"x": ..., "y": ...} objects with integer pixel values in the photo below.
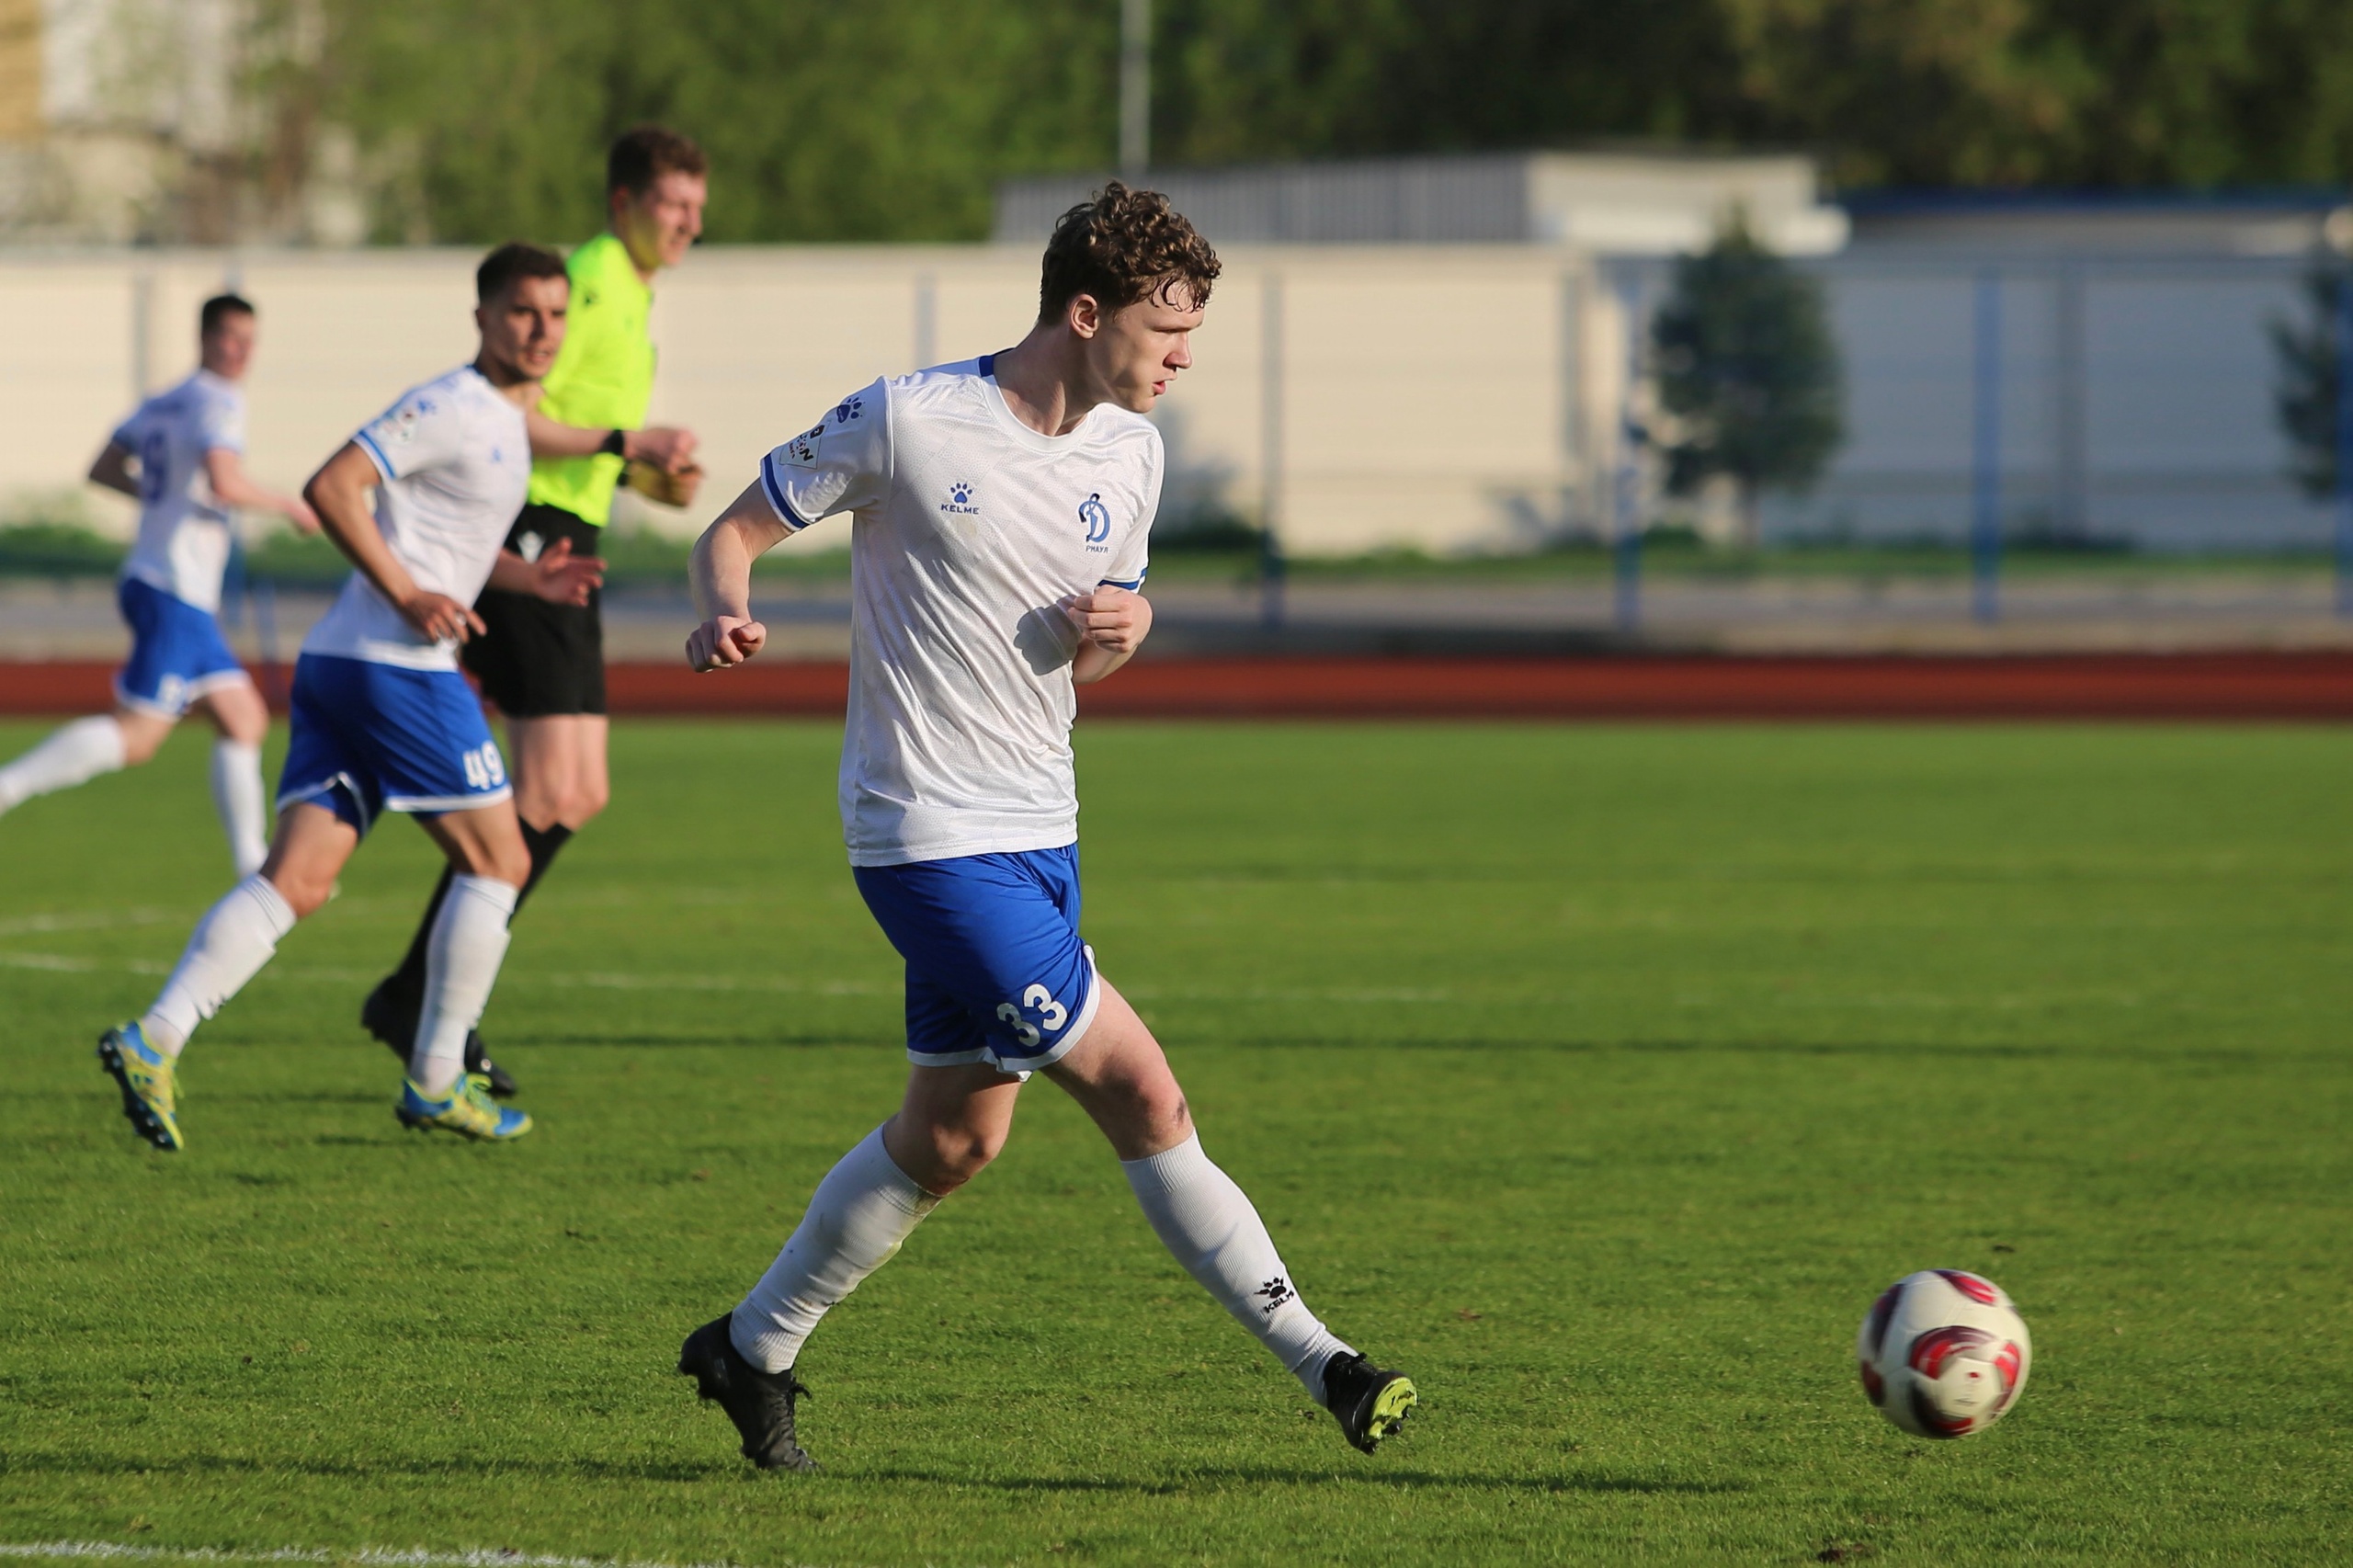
[{"x": 1599, "y": 1076}]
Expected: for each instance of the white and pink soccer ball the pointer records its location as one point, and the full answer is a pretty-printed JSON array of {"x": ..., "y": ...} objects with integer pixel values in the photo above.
[{"x": 1944, "y": 1353}]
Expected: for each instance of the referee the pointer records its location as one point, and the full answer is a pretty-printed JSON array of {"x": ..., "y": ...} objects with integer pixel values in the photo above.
[{"x": 542, "y": 662}]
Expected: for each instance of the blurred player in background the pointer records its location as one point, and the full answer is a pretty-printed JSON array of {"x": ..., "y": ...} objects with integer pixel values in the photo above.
[
  {"x": 382, "y": 720},
  {"x": 1002, "y": 507},
  {"x": 542, "y": 662},
  {"x": 181, "y": 456}
]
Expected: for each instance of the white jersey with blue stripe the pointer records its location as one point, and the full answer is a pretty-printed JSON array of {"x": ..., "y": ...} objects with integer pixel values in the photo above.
[
  {"x": 970, "y": 532},
  {"x": 455, "y": 455},
  {"x": 184, "y": 537}
]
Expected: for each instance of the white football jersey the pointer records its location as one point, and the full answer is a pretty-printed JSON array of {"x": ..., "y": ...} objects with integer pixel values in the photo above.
[
  {"x": 183, "y": 528},
  {"x": 970, "y": 532},
  {"x": 456, "y": 461}
]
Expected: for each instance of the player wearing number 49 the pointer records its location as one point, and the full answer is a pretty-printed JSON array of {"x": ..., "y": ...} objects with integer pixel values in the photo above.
[
  {"x": 1000, "y": 512},
  {"x": 382, "y": 720}
]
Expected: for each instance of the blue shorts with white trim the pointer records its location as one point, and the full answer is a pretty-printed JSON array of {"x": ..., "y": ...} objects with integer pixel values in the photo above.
[
  {"x": 995, "y": 970},
  {"x": 372, "y": 738},
  {"x": 178, "y": 653}
]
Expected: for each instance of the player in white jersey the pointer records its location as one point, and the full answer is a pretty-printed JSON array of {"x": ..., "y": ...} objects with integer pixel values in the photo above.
[
  {"x": 181, "y": 456},
  {"x": 1000, "y": 513},
  {"x": 383, "y": 722}
]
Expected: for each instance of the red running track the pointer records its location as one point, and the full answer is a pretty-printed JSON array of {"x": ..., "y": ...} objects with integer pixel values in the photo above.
[{"x": 2202, "y": 686}]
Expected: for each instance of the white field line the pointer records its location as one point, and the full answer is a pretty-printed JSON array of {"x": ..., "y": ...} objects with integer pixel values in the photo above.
[
  {"x": 68, "y": 964},
  {"x": 374, "y": 1557},
  {"x": 89, "y": 920},
  {"x": 61, "y": 963}
]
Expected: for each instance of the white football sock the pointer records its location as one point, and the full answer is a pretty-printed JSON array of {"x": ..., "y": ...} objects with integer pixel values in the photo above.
[
  {"x": 75, "y": 755},
  {"x": 461, "y": 960},
  {"x": 230, "y": 945},
  {"x": 862, "y": 1210},
  {"x": 236, "y": 795},
  {"x": 1207, "y": 1223}
]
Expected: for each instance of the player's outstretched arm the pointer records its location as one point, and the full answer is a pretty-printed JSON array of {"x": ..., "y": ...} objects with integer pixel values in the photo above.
[
  {"x": 111, "y": 469},
  {"x": 1112, "y": 623},
  {"x": 668, "y": 449},
  {"x": 338, "y": 492},
  {"x": 722, "y": 578},
  {"x": 225, "y": 471}
]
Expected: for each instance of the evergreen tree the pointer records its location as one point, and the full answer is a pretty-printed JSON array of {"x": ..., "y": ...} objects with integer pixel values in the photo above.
[
  {"x": 2312, "y": 377},
  {"x": 1748, "y": 370}
]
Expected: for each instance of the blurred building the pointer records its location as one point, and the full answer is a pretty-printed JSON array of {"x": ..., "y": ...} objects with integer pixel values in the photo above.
[
  {"x": 1595, "y": 203},
  {"x": 147, "y": 121}
]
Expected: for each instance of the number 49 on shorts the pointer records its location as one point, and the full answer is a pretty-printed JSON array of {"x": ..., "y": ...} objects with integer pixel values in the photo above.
[{"x": 486, "y": 769}]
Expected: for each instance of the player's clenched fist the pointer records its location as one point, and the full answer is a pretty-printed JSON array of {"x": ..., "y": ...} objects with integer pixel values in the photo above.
[
  {"x": 723, "y": 641},
  {"x": 1114, "y": 618}
]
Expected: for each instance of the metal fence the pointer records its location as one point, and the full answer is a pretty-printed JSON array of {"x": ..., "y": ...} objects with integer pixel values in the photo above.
[
  {"x": 1452, "y": 399},
  {"x": 2088, "y": 398}
]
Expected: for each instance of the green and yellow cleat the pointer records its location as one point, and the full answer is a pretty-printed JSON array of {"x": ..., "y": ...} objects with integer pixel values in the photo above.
[
  {"x": 1371, "y": 1403},
  {"x": 150, "y": 1101},
  {"x": 469, "y": 1111}
]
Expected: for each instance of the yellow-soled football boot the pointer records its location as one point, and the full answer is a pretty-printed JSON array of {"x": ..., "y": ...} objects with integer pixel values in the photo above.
[{"x": 150, "y": 1099}]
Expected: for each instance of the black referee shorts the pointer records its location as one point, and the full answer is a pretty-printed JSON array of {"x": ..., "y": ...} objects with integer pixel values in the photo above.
[{"x": 538, "y": 660}]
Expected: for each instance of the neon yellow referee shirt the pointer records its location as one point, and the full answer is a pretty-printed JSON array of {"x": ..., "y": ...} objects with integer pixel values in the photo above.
[{"x": 603, "y": 376}]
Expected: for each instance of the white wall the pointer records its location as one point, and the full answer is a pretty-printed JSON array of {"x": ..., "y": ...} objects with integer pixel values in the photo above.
[
  {"x": 1425, "y": 392},
  {"x": 2136, "y": 400},
  {"x": 1448, "y": 398}
]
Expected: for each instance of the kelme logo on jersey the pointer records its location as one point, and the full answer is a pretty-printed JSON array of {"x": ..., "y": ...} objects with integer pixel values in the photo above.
[
  {"x": 1097, "y": 516},
  {"x": 849, "y": 408},
  {"x": 960, "y": 501}
]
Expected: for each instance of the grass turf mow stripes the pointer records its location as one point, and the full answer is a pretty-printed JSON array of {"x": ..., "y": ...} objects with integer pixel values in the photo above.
[
  {"x": 370, "y": 1557},
  {"x": 1599, "y": 1076}
]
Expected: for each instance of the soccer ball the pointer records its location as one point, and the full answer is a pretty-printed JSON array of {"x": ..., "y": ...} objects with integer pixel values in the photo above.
[{"x": 1944, "y": 1353}]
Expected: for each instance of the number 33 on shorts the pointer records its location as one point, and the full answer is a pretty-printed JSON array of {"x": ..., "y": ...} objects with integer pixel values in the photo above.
[{"x": 1039, "y": 1000}]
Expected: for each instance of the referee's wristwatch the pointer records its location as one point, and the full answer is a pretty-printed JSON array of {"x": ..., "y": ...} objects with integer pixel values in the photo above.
[{"x": 616, "y": 444}]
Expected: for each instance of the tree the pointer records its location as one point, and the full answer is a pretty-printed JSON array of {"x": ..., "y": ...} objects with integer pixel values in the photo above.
[
  {"x": 886, "y": 121},
  {"x": 1748, "y": 371},
  {"x": 2311, "y": 377},
  {"x": 474, "y": 120}
]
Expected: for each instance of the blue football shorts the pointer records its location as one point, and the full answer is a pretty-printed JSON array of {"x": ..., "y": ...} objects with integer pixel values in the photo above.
[
  {"x": 178, "y": 653},
  {"x": 995, "y": 970},
  {"x": 372, "y": 738}
]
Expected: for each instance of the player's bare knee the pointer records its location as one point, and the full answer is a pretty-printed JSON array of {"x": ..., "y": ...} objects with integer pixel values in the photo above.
[
  {"x": 503, "y": 859},
  {"x": 140, "y": 742},
  {"x": 1157, "y": 1116},
  {"x": 955, "y": 1154},
  {"x": 509, "y": 863},
  {"x": 305, "y": 890}
]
